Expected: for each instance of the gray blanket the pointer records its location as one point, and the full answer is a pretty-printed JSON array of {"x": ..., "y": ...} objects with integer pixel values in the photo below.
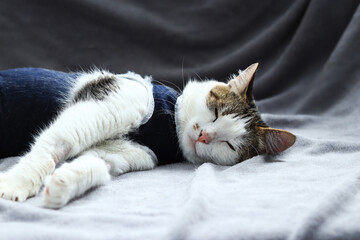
[{"x": 308, "y": 83}]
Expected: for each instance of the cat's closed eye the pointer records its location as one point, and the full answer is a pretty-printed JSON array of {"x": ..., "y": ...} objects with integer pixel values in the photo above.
[
  {"x": 230, "y": 146},
  {"x": 231, "y": 129},
  {"x": 216, "y": 114}
]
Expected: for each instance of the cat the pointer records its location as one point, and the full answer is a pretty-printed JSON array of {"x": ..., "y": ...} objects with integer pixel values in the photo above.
[{"x": 112, "y": 124}]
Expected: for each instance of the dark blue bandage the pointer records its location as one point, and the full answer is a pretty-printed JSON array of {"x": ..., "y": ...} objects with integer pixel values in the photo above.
[{"x": 31, "y": 97}]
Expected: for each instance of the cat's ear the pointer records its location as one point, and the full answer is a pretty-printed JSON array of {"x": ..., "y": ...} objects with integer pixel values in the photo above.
[
  {"x": 242, "y": 84},
  {"x": 276, "y": 140}
]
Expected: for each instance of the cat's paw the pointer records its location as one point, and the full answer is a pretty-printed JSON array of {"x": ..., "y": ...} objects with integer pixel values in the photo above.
[
  {"x": 57, "y": 191},
  {"x": 16, "y": 187}
]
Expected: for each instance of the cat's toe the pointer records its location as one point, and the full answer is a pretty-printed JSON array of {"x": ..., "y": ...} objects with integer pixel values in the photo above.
[
  {"x": 54, "y": 202},
  {"x": 17, "y": 194},
  {"x": 14, "y": 188},
  {"x": 56, "y": 192}
]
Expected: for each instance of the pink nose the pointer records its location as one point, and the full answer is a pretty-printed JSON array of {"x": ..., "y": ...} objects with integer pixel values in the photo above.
[{"x": 204, "y": 137}]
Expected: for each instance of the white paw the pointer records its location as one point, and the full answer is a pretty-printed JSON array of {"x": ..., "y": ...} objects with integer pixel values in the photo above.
[
  {"x": 16, "y": 187},
  {"x": 57, "y": 190},
  {"x": 25, "y": 179}
]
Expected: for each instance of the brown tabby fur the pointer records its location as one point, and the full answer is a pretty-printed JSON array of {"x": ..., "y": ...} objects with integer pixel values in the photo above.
[{"x": 228, "y": 102}]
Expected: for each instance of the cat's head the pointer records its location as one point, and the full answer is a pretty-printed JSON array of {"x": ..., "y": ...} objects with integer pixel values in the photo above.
[{"x": 219, "y": 122}]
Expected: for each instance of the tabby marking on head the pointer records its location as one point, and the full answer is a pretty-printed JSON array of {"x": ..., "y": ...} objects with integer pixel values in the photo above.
[{"x": 219, "y": 122}]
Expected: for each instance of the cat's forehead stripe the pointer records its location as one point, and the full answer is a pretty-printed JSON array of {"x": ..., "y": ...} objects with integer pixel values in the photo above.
[
  {"x": 221, "y": 97},
  {"x": 220, "y": 90}
]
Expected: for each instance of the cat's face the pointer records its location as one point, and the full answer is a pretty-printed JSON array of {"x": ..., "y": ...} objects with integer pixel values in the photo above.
[{"x": 219, "y": 122}]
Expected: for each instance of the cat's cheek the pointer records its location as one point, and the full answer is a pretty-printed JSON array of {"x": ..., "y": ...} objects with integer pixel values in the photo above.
[
  {"x": 189, "y": 138},
  {"x": 216, "y": 153},
  {"x": 190, "y": 145},
  {"x": 202, "y": 150},
  {"x": 185, "y": 142}
]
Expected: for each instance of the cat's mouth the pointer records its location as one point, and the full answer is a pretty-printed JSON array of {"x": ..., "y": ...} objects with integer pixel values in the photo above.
[{"x": 194, "y": 146}]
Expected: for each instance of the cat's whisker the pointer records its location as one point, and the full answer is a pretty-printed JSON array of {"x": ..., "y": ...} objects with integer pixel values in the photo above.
[
  {"x": 103, "y": 125},
  {"x": 170, "y": 103},
  {"x": 168, "y": 95},
  {"x": 171, "y": 83},
  {"x": 248, "y": 152},
  {"x": 241, "y": 146},
  {"x": 254, "y": 149},
  {"x": 198, "y": 76},
  {"x": 166, "y": 113},
  {"x": 182, "y": 73}
]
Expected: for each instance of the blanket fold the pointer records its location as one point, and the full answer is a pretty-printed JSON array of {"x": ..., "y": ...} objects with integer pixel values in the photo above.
[{"x": 308, "y": 83}]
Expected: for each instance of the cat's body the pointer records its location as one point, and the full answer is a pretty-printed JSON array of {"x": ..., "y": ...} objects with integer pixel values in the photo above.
[{"x": 113, "y": 124}]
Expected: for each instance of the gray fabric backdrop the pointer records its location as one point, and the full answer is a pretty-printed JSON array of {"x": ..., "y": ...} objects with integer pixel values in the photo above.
[
  {"x": 308, "y": 50},
  {"x": 308, "y": 83}
]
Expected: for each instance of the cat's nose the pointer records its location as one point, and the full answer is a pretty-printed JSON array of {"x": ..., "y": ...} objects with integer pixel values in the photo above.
[{"x": 204, "y": 137}]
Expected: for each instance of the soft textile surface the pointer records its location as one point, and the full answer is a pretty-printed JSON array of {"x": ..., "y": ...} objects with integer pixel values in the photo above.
[{"x": 308, "y": 83}]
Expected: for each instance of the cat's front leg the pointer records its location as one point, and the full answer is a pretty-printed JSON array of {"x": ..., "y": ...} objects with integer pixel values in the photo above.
[
  {"x": 73, "y": 179},
  {"x": 88, "y": 119},
  {"x": 25, "y": 178},
  {"x": 77, "y": 128},
  {"x": 92, "y": 169}
]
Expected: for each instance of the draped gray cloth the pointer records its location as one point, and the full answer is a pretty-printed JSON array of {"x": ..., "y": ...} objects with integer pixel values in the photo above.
[{"x": 307, "y": 83}]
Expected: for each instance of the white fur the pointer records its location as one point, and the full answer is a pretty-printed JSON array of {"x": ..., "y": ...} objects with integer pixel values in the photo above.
[
  {"x": 73, "y": 179},
  {"x": 84, "y": 131},
  {"x": 92, "y": 168},
  {"x": 191, "y": 109},
  {"x": 76, "y": 130}
]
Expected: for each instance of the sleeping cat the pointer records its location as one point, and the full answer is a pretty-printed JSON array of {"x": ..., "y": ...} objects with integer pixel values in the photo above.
[{"x": 113, "y": 124}]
